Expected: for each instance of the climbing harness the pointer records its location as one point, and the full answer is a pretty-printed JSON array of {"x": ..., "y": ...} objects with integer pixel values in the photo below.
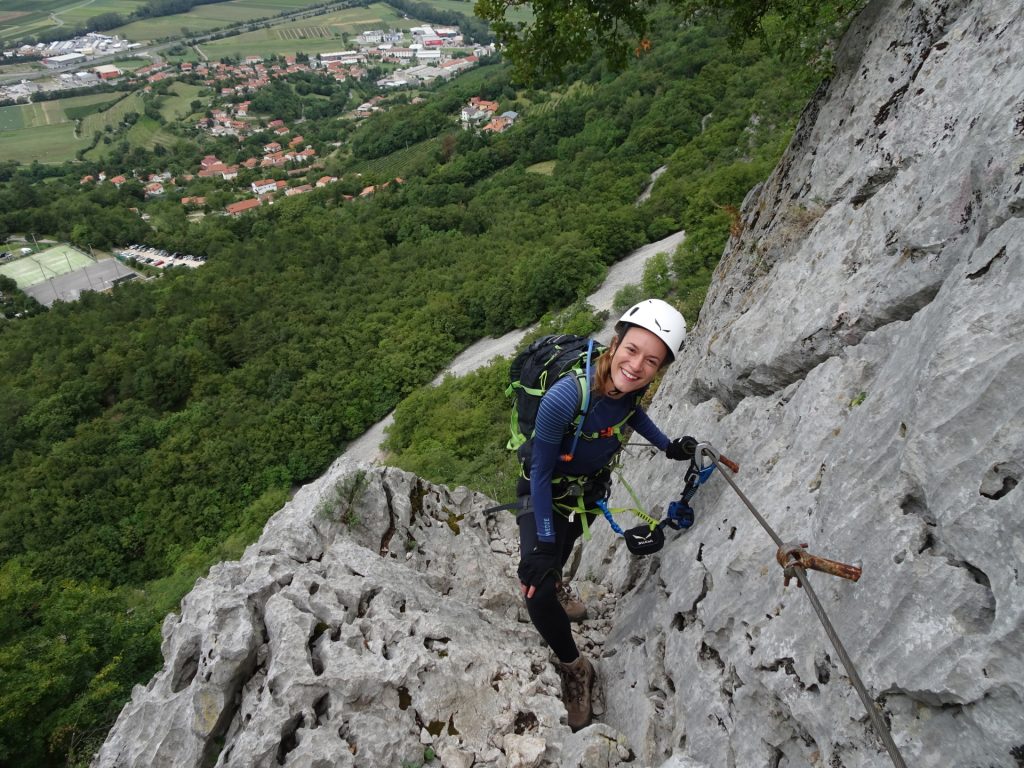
[
  {"x": 649, "y": 538},
  {"x": 795, "y": 562}
]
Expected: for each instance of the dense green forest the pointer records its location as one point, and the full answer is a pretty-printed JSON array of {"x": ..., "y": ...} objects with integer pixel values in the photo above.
[{"x": 149, "y": 433}]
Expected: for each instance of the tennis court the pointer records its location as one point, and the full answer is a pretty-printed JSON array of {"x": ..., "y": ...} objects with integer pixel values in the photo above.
[
  {"x": 97, "y": 276},
  {"x": 39, "y": 267}
]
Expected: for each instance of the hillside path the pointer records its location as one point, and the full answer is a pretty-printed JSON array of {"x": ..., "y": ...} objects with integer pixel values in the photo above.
[{"x": 628, "y": 271}]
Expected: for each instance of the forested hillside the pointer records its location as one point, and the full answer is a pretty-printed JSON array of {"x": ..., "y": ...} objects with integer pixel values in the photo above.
[{"x": 149, "y": 433}]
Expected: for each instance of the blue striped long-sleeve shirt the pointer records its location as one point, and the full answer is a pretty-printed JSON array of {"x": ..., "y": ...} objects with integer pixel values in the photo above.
[{"x": 553, "y": 437}]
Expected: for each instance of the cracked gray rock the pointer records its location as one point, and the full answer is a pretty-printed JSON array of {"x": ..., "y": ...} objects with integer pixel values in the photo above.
[
  {"x": 377, "y": 616},
  {"x": 860, "y": 354}
]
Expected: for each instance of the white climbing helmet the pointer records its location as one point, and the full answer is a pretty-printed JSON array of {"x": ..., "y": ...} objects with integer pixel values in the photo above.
[{"x": 660, "y": 318}]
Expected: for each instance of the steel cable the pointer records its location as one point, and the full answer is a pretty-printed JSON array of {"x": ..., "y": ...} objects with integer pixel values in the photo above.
[{"x": 872, "y": 709}]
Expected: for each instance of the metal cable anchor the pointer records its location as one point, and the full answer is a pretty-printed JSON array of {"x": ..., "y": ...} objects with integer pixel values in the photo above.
[{"x": 792, "y": 555}]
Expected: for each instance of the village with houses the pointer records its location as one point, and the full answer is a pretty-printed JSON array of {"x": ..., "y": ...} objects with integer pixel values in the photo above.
[
  {"x": 273, "y": 159},
  {"x": 415, "y": 57}
]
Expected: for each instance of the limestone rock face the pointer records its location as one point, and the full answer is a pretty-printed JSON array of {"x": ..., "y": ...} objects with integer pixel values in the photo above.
[
  {"x": 376, "y": 618},
  {"x": 861, "y": 355}
]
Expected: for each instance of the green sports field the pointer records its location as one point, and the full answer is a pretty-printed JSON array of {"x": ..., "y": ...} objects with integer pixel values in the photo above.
[{"x": 39, "y": 267}]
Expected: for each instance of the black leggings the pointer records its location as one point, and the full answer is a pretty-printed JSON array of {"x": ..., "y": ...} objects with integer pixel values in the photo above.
[{"x": 545, "y": 611}]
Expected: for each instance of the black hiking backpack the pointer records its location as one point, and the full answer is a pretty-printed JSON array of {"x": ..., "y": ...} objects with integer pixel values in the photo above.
[{"x": 534, "y": 371}]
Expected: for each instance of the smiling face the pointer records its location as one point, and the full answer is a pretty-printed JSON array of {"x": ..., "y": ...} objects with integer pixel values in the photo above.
[{"x": 636, "y": 359}]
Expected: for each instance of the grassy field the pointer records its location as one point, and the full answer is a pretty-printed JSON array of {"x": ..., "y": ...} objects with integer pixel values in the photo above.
[
  {"x": 178, "y": 104},
  {"x": 79, "y": 106},
  {"x": 189, "y": 55},
  {"x": 19, "y": 18},
  {"x": 53, "y": 112},
  {"x": 12, "y": 118},
  {"x": 47, "y": 144},
  {"x": 19, "y": 69},
  {"x": 398, "y": 163},
  {"x": 112, "y": 116},
  {"x": 45, "y": 131},
  {"x": 320, "y": 34},
  {"x": 31, "y": 115},
  {"x": 465, "y": 7},
  {"x": 206, "y": 17},
  {"x": 130, "y": 65},
  {"x": 146, "y": 133},
  {"x": 546, "y": 168}
]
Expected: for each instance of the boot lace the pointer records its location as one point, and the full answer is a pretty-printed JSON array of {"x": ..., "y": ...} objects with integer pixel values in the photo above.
[{"x": 574, "y": 678}]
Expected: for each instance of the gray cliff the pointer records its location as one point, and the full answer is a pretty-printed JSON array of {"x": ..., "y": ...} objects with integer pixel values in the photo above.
[{"x": 860, "y": 354}]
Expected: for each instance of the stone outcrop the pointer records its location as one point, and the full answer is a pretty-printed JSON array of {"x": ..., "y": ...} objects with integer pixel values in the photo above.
[
  {"x": 376, "y": 618},
  {"x": 860, "y": 353}
]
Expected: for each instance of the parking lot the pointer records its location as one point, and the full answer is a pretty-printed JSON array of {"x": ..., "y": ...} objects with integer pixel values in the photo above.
[{"x": 155, "y": 257}]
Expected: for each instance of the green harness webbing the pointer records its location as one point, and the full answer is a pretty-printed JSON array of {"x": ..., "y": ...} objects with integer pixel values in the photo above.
[{"x": 570, "y": 511}]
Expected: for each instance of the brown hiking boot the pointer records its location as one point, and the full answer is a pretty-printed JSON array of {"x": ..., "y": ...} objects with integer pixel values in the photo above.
[
  {"x": 574, "y": 608},
  {"x": 577, "y": 682}
]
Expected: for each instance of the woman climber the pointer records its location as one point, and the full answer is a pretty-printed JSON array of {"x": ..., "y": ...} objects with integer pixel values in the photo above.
[{"x": 557, "y": 496}]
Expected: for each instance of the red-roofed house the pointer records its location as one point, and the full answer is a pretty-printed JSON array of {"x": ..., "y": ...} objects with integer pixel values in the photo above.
[
  {"x": 236, "y": 209},
  {"x": 263, "y": 186},
  {"x": 487, "y": 106}
]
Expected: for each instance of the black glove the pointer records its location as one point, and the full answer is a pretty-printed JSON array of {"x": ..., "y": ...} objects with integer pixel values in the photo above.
[
  {"x": 536, "y": 564},
  {"x": 682, "y": 448}
]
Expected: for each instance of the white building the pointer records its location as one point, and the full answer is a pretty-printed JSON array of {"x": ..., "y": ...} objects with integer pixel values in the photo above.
[
  {"x": 64, "y": 60},
  {"x": 338, "y": 56}
]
